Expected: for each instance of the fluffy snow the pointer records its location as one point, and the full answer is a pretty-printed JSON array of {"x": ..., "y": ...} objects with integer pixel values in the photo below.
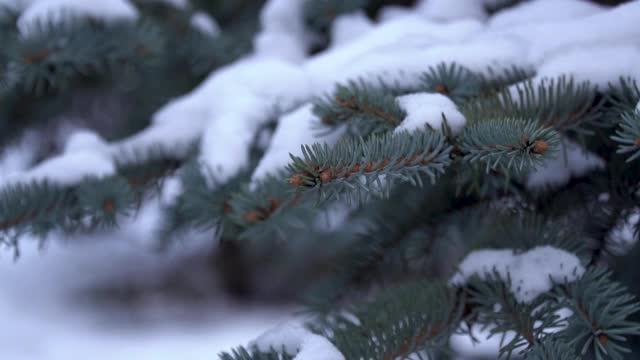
[
  {"x": 617, "y": 26},
  {"x": 532, "y": 272},
  {"x": 283, "y": 33},
  {"x": 295, "y": 339},
  {"x": 19, "y": 155},
  {"x": 294, "y": 128},
  {"x": 539, "y": 11},
  {"x": 85, "y": 155},
  {"x": 236, "y": 100},
  {"x": 348, "y": 27},
  {"x": 425, "y": 108},
  {"x": 601, "y": 68},
  {"x": 623, "y": 236},
  {"x": 245, "y": 96},
  {"x": 40, "y": 11},
  {"x": 15, "y": 4},
  {"x": 205, "y": 23},
  {"x": 443, "y": 10},
  {"x": 571, "y": 161},
  {"x": 45, "y": 314}
]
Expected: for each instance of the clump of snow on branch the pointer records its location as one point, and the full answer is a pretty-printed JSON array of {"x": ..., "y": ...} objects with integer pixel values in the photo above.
[
  {"x": 431, "y": 109},
  {"x": 226, "y": 111},
  {"x": 625, "y": 234},
  {"x": 294, "y": 339},
  {"x": 532, "y": 273},
  {"x": 40, "y": 11},
  {"x": 453, "y": 9},
  {"x": 86, "y": 154},
  {"x": 348, "y": 27},
  {"x": 528, "y": 12},
  {"x": 283, "y": 33}
]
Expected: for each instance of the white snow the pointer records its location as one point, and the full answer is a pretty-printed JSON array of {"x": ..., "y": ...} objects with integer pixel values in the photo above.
[
  {"x": 18, "y": 155},
  {"x": 601, "y": 69},
  {"x": 205, "y": 23},
  {"x": 541, "y": 11},
  {"x": 532, "y": 272},
  {"x": 18, "y": 5},
  {"x": 348, "y": 27},
  {"x": 40, "y": 11},
  {"x": 447, "y": 10},
  {"x": 293, "y": 338},
  {"x": 425, "y": 108},
  {"x": 245, "y": 96},
  {"x": 45, "y": 314},
  {"x": 294, "y": 129},
  {"x": 85, "y": 155},
  {"x": 617, "y": 26},
  {"x": 283, "y": 33},
  {"x": 623, "y": 236},
  {"x": 571, "y": 161},
  {"x": 235, "y": 101}
]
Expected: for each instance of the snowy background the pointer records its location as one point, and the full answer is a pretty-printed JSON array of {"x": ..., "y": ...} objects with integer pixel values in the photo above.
[{"x": 46, "y": 310}]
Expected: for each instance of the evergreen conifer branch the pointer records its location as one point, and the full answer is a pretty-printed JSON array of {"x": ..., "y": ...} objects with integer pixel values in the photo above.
[
  {"x": 355, "y": 167},
  {"x": 203, "y": 207},
  {"x": 624, "y": 96},
  {"x": 508, "y": 144},
  {"x": 41, "y": 206},
  {"x": 495, "y": 80},
  {"x": 628, "y": 135},
  {"x": 452, "y": 80},
  {"x": 414, "y": 318},
  {"x": 243, "y": 353},
  {"x": 557, "y": 103},
  {"x": 600, "y": 324},
  {"x": 551, "y": 348},
  {"x": 50, "y": 57},
  {"x": 365, "y": 108},
  {"x": 495, "y": 307}
]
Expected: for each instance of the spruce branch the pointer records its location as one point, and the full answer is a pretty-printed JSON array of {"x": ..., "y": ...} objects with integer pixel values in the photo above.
[
  {"x": 496, "y": 80},
  {"x": 201, "y": 206},
  {"x": 365, "y": 108},
  {"x": 551, "y": 348},
  {"x": 242, "y": 353},
  {"x": 628, "y": 135},
  {"x": 270, "y": 210},
  {"x": 557, "y": 103},
  {"x": 494, "y": 306},
  {"x": 355, "y": 167},
  {"x": 42, "y": 206},
  {"x": 623, "y": 96},
  {"x": 454, "y": 81},
  {"x": 508, "y": 144},
  {"x": 601, "y": 307},
  {"x": 409, "y": 319},
  {"x": 54, "y": 54}
]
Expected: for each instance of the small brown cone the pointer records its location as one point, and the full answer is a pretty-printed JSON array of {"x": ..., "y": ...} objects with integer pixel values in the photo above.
[
  {"x": 540, "y": 147},
  {"x": 441, "y": 89},
  {"x": 252, "y": 217},
  {"x": 296, "y": 180},
  {"x": 109, "y": 206}
]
